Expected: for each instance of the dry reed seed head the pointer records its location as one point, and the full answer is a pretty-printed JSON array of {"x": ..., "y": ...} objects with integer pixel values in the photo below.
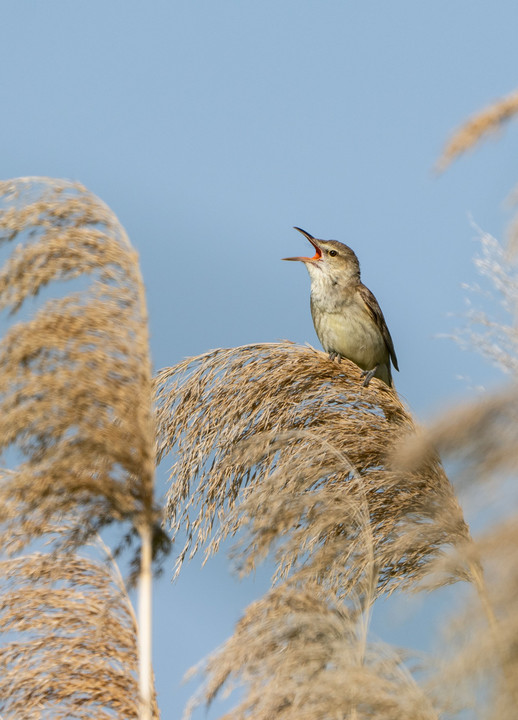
[
  {"x": 278, "y": 441},
  {"x": 316, "y": 518},
  {"x": 297, "y": 653},
  {"x": 494, "y": 334},
  {"x": 479, "y": 659},
  {"x": 479, "y": 126},
  {"x": 69, "y": 644},
  {"x": 482, "y": 438},
  {"x": 69, "y": 232},
  {"x": 483, "y": 435},
  {"x": 75, "y": 381}
]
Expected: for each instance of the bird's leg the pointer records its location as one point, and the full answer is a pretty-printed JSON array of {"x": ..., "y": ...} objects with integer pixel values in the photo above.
[
  {"x": 368, "y": 375},
  {"x": 335, "y": 356}
]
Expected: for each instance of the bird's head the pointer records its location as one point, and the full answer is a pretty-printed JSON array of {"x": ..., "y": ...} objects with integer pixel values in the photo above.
[{"x": 332, "y": 261}]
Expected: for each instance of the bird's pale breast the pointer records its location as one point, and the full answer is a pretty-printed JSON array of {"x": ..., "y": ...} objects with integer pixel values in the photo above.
[{"x": 351, "y": 333}]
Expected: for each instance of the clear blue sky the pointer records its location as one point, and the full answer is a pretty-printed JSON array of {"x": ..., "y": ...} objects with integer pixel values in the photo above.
[{"x": 211, "y": 127}]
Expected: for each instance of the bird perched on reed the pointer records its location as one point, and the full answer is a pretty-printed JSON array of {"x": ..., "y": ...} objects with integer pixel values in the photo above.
[{"x": 347, "y": 318}]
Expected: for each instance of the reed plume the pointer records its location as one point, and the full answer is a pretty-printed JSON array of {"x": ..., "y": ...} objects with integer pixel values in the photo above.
[
  {"x": 69, "y": 637},
  {"x": 301, "y": 655},
  {"x": 481, "y": 438},
  {"x": 286, "y": 448},
  {"x": 486, "y": 122},
  {"x": 480, "y": 641},
  {"x": 75, "y": 387},
  {"x": 482, "y": 124},
  {"x": 75, "y": 382}
]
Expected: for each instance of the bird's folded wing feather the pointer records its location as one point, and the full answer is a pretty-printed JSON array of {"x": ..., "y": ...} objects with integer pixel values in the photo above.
[{"x": 375, "y": 311}]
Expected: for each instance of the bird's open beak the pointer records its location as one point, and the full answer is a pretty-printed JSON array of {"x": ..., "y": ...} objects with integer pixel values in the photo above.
[{"x": 312, "y": 240}]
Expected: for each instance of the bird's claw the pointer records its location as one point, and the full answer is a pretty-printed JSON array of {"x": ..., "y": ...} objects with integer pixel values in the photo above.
[{"x": 368, "y": 375}]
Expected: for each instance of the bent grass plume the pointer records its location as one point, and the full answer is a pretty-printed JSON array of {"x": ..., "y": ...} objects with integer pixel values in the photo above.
[
  {"x": 471, "y": 133},
  {"x": 483, "y": 123},
  {"x": 278, "y": 443},
  {"x": 300, "y": 655},
  {"x": 481, "y": 436},
  {"x": 70, "y": 646},
  {"x": 75, "y": 380}
]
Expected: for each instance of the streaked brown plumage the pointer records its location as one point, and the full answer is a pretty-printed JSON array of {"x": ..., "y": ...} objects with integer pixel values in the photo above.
[{"x": 347, "y": 318}]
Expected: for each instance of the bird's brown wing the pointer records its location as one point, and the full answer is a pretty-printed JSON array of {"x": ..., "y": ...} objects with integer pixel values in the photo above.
[{"x": 375, "y": 311}]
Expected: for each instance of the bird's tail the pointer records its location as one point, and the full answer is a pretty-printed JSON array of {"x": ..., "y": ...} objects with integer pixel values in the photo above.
[{"x": 383, "y": 373}]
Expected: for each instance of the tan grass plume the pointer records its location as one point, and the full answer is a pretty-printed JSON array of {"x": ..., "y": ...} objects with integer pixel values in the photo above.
[
  {"x": 297, "y": 654},
  {"x": 75, "y": 387},
  {"x": 479, "y": 126},
  {"x": 277, "y": 443},
  {"x": 68, "y": 637},
  {"x": 480, "y": 440},
  {"x": 75, "y": 378}
]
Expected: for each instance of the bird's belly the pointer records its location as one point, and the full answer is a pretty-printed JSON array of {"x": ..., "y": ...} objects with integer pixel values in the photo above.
[{"x": 352, "y": 334}]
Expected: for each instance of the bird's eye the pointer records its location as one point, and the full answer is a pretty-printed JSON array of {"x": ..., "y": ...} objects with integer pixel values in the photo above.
[{"x": 333, "y": 253}]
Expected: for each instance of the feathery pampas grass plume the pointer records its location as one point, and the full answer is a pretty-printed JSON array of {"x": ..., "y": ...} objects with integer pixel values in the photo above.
[
  {"x": 480, "y": 657},
  {"x": 75, "y": 385},
  {"x": 479, "y": 664},
  {"x": 482, "y": 439},
  {"x": 69, "y": 638},
  {"x": 299, "y": 655},
  {"x": 492, "y": 332},
  {"x": 75, "y": 380},
  {"x": 471, "y": 133},
  {"x": 279, "y": 443},
  {"x": 482, "y": 434},
  {"x": 482, "y": 124}
]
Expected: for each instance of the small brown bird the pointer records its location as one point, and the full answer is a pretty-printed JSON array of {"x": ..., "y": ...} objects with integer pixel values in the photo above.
[{"x": 347, "y": 318}]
